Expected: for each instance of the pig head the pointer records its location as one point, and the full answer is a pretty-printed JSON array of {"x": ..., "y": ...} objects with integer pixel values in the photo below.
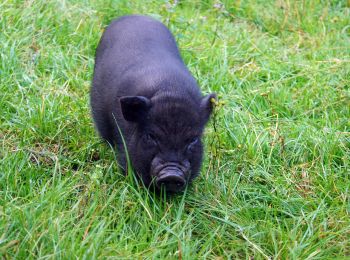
[{"x": 165, "y": 147}]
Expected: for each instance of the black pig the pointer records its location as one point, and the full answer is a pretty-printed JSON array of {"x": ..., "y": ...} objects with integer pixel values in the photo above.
[{"x": 142, "y": 88}]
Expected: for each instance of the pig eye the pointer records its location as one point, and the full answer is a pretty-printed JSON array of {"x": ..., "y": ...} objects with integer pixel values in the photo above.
[
  {"x": 192, "y": 143},
  {"x": 150, "y": 139}
]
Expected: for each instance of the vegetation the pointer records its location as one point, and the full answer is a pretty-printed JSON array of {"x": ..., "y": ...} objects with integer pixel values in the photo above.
[{"x": 276, "y": 179}]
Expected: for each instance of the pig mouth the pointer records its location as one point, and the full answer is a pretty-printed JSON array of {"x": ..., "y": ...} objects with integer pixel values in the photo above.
[{"x": 171, "y": 177}]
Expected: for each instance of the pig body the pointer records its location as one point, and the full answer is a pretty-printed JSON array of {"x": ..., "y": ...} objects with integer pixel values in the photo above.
[{"x": 142, "y": 89}]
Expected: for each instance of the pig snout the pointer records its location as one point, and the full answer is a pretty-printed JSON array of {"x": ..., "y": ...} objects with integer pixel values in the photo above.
[
  {"x": 170, "y": 175},
  {"x": 172, "y": 178}
]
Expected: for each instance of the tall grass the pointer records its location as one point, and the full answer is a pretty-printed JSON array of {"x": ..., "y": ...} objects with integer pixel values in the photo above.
[{"x": 276, "y": 179}]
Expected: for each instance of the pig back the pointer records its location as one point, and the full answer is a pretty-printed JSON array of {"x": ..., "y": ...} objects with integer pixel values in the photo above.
[{"x": 136, "y": 49}]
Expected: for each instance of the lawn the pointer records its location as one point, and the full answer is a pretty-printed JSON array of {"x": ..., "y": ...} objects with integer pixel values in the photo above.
[{"x": 275, "y": 183}]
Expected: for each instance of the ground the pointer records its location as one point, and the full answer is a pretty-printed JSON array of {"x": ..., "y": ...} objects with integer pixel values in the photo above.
[{"x": 275, "y": 182}]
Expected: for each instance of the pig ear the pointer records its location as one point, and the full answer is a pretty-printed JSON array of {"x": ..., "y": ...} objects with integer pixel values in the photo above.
[
  {"x": 207, "y": 105},
  {"x": 134, "y": 108}
]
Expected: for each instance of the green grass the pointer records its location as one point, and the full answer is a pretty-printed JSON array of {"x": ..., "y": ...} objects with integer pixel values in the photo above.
[{"x": 276, "y": 179}]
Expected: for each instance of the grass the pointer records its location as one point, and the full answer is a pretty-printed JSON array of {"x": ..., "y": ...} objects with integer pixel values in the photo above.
[{"x": 276, "y": 179}]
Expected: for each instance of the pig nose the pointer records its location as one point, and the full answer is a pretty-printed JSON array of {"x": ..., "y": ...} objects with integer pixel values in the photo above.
[{"x": 172, "y": 179}]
